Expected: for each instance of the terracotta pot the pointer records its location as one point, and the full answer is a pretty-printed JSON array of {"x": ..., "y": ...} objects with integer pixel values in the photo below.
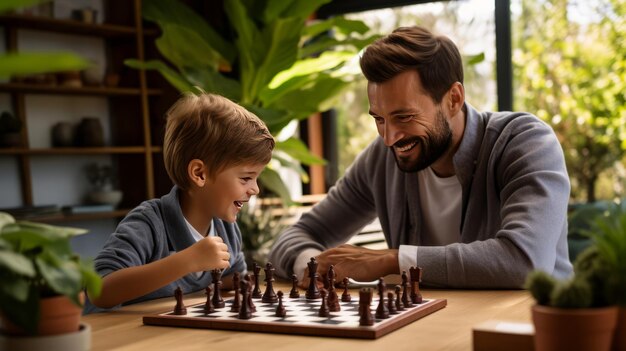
[
  {"x": 619, "y": 338},
  {"x": 574, "y": 329},
  {"x": 58, "y": 315}
]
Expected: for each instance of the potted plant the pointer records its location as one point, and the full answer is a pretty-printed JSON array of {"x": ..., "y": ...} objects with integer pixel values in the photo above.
[
  {"x": 260, "y": 224},
  {"x": 268, "y": 56},
  {"x": 585, "y": 307},
  {"x": 102, "y": 180},
  {"x": 42, "y": 282}
]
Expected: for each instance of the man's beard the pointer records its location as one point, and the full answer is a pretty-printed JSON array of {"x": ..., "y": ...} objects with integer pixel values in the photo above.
[{"x": 431, "y": 148}]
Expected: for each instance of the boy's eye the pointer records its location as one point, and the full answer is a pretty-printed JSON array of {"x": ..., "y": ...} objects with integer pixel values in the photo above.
[{"x": 246, "y": 179}]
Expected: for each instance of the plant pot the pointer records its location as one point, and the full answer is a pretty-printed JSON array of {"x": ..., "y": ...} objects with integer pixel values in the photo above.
[
  {"x": 105, "y": 197},
  {"x": 619, "y": 338},
  {"x": 573, "y": 329},
  {"x": 58, "y": 315},
  {"x": 76, "y": 341}
]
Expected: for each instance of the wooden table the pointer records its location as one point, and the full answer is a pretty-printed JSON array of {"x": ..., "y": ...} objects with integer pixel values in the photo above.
[{"x": 447, "y": 329}]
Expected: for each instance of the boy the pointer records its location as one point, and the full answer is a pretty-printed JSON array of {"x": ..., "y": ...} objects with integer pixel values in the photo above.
[{"x": 214, "y": 150}]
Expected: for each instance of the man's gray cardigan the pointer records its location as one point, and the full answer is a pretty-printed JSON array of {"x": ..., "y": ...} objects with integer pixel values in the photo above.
[{"x": 514, "y": 211}]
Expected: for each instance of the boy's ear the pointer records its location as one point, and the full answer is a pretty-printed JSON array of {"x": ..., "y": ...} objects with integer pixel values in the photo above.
[{"x": 197, "y": 172}]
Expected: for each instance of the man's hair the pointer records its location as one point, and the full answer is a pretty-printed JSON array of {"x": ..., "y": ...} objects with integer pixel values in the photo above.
[
  {"x": 215, "y": 130},
  {"x": 435, "y": 58}
]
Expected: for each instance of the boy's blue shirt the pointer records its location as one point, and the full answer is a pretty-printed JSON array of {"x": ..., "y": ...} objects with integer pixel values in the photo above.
[{"x": 154, "y": 230}]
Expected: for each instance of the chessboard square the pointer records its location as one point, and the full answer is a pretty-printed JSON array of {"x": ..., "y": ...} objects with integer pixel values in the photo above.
[
  {"x": 346, "y": 318},
  {"x": 300, "y": 319},
  {"x": 267, "y": 319}
]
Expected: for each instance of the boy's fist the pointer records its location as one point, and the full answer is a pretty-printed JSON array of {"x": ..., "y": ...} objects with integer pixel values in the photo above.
[{"x": 208, "y": 253}]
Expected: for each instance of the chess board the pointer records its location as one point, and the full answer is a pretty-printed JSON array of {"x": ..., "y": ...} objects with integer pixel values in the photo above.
[{"x": 302, "y": 318}]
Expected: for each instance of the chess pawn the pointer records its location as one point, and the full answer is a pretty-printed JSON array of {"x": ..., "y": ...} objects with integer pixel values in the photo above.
[
  {"x": 345, "y": 297},
  {"x": 390, "y": 304},
  {"x": 324, "y": 311},
  {"x": 208, "y": 305},
  {"x": 406, "y": 301},
  {"x": 312, "y": 292},
  {"x": 365, "y": 313},
  {"x": 180, "y": 308},
  {"x": 281, "y": 311},
  {"x": 256, "y": 293},
  {"x": 399, "y": 304},
  {"x": 294, "y": 293}
]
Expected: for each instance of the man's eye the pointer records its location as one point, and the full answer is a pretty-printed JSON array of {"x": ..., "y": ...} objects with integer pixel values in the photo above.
[
  {"x": 405, "y": 117},
  {"x": 379, "y": 120}
]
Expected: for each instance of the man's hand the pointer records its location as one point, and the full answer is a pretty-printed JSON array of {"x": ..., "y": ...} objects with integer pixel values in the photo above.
[{"x": 355, "y": 262}]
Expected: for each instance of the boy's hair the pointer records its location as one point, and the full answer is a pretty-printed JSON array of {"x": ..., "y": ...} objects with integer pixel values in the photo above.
[
  {"x": 435, "y": 58},
  {"x": 215, "y": 130}
]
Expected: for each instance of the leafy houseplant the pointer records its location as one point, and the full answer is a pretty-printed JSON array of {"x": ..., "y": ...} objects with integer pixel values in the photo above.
[
  {"x": 36, "y": 262},
  {"x": 260, "y": 225},
  {"x": 281, "y": 66},
  {"x": 102, "y": 179},
  {"x": 589, "y": 299}
]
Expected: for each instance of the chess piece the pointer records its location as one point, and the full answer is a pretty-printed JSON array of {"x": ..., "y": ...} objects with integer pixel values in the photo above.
[
  {"x": 294, "y": 294},
  {"x": 208, "y": 305},
  {"x": 216, "y": 276},
  {"x": 256, "y": 293},
  {"x": 325, "y": 280},
  {"x": 236, "y": 305},
  {"x": 399, "y": 304},
  {"x": 382, "y": 312},
  {"x": 244, "y": 311},
  {"x": 323, "y": 311},
  {"x": 180, "y": 308},
  {"x": 416, "y": 278},
  {"x": 269, "y": 296},
  {"x": 251, "y": 305},
  {"x": 312, "y": 292},
  {"x": 405, "y": 293},
  {"x": 332, "y": 299},
  {"x": 345, "y": 297},
  {"x": 365, "y": 313},
  {"x": 281, "y": 311},
  {"x": 390, "y": 304}
]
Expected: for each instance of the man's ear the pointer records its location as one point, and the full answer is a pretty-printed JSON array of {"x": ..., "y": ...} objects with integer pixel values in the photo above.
[
  {"x": 455, "y": 98},
  {"x": 197, "y": 172}
]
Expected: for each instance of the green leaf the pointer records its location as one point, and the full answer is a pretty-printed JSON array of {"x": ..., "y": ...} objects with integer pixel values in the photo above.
[
  {"x": 7, "y": 5},
  {"x": 286, "y": 161},
  {"x": 17, "y": 64},
  {"x": 16, "y": 263},
  {"x": 175, "y": 12},
  {"x": 15, "y": 287},
  {"x": 297, "y": 149},
  {"x": 271, "y": 180},
  {"x": 62, "y": 276},
  {"x": 5, "y": 219},
  {"x": 185, "y": 48},
  {"x": 341, "y": 24},
  {"x": 322, "y": 44},
  {"x": 214, "y": 82},
  {"x": 169, "y": 74},
  {"x": 303, "y": 9},
  {"x": 476, "y": 59},
  {"x": 90, "y": 279},
  {"x": 319, "y": 95},
  {"x": 306, "y": 67}
]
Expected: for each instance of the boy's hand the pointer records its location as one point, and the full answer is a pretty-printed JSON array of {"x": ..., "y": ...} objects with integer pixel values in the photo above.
[{"x": 207, "y": 254}]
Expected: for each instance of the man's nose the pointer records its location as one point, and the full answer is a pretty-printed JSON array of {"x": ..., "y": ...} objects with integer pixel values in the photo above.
[{"x": 390, "y": 134}]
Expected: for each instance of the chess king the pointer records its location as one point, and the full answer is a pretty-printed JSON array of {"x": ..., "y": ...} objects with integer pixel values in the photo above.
[{"x": 214, "y": 151}]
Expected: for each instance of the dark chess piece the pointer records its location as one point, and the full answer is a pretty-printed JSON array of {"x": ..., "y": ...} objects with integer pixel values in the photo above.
[
  {"x": 208, "y": 305},
  {"x": 416, "y": 278},
  {"x": 382, "y": 312},
  {"x": 180, "y": 308},
  {"x": 345, "y": 297},
  {"x": 405, "y": 293},
  {"x": 333, "y": 299},
  {"x": 269, "y": 296},
  {"x": 256, "y": 293},
  {"x": 236, "y": 304},
  {"x": 251, "y": 305},
  {"x": 244, "y": 311},
  {"x": 216, "y": 276},
  {"x": 323, "y": 311},
  {"x": 390, "y": 304},
  {"x": 399, "y": 304},
  {"x": 325, "y": 280},
  {"x": 294, "y": 294},
  {"x": 312, "y": 292},
  {"x": 365, "y": 312},
  {"x": 281, "y": 311}
]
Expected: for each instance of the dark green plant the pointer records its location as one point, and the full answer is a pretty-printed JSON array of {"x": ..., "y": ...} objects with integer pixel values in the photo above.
[
  {"x": 270, "y": 59},
  {"x": 259, "y": 225},
  {"x": 574, "y": 293},
  {"x": 36, "y": 261},
  {"x": 540, "y": 285}
]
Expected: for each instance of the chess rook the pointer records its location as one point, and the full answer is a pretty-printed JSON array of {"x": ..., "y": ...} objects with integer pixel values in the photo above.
[
  {"x": 416, "y": 278},
  {"x": 365, "y": 312}
]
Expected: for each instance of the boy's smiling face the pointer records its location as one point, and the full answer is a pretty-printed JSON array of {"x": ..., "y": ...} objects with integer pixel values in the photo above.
[{"x": 226, "y": 193}]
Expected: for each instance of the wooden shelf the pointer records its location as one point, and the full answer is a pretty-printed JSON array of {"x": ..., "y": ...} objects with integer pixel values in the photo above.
[
  {"x": 61, "y": 90},
  {"x": 67, "y": 26},
  {"x": 62, "y": 217},
  {"x": 75, "y": 150}
]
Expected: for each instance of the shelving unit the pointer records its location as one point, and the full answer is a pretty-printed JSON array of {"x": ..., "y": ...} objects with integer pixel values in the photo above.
[{"x": 136, "y": 106}]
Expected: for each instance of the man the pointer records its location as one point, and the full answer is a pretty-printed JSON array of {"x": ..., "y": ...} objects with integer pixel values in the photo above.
[{"x": 477, "y": 200}]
